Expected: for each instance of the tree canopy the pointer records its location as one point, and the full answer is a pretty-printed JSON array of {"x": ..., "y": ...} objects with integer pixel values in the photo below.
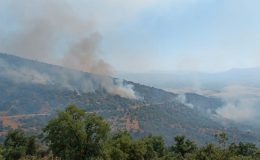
[{"x": 74, "y": 134}]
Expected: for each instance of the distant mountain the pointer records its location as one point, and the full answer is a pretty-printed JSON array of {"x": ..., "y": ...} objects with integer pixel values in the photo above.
[
  {"x": 32, "y": 92},
  {"x": 197, "y": 80}
]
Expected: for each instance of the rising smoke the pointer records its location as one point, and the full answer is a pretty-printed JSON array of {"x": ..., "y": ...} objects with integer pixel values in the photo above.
[
  {"x": 51, "y": 31},
  {"x": 242, "y": 103},
  {"x": 183, "y": 99}
]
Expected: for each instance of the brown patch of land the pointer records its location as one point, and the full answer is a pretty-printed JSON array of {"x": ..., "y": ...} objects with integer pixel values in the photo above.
[{"x": 8, "y": 121}]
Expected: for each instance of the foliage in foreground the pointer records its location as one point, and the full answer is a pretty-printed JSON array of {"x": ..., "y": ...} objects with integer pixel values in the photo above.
[{"x": 76, "y": 135}]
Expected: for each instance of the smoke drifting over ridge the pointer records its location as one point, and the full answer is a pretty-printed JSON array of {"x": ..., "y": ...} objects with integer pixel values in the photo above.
[{"x": 43, "y": 28}]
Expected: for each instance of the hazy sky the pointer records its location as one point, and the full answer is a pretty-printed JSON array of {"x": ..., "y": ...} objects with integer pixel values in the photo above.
[{"x": 157, "y": 35}]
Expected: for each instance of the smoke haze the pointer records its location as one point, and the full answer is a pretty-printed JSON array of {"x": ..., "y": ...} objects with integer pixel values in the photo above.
[
  {"x": 242, "y": 103},
  {"x": 46, "y": 27}
]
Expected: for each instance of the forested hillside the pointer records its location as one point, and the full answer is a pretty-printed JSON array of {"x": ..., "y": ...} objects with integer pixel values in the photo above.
[{"x": 32, "y": 92}]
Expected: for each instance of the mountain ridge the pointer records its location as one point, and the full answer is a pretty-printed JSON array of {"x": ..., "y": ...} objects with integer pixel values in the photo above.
[{"x": 156, "y": 111}]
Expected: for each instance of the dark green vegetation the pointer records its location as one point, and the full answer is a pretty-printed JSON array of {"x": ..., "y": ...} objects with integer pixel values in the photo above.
[
  {"x": 77, "y": 135},
  {"x": 32, "y": 92}
]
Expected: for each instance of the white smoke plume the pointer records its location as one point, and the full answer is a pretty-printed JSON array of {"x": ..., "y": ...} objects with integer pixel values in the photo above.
[
  {"x": 182, "y": 99},
  {"x": 44, "y": 28},
  {"x": 242, "y": 103}
]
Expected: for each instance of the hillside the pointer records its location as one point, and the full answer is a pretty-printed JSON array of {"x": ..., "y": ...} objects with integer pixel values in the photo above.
[{"x": 32, "y": 92}]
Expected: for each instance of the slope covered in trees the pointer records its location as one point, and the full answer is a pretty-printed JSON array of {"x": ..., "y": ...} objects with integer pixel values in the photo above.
[{"x": 32, "y": 91}]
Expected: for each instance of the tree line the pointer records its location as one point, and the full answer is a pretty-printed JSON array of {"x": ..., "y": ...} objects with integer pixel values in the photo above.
[{"x": 77, "y": 135}]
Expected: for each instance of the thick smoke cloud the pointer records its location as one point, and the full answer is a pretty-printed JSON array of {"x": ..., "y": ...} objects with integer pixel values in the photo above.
[
  {"x": 51, "y": 31},
  {"x": 83, "y": 56},
  {"x": 242, "y": 103},
  {"x": 41, "y": 27}
]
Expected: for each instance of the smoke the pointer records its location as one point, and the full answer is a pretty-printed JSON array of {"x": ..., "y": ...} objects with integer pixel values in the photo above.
[
  {"x": 242, "y": 103},
  {"x": 83, "y": 56},
  {"x": 120, "y": 88},
  {"x": 23, "y": 75},
  {"x": 182, "y": 99},
  {"x": 78, "y": 59},
  {"x": 43, "y": 28},
  {"x": 241, "y": 111}
]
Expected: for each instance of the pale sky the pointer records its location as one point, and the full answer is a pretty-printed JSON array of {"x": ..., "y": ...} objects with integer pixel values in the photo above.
[{"x": 155, "y": 35}]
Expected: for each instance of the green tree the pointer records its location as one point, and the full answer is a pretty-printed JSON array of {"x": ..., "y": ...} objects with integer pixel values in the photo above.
[
  {"x": 222, "y": 138},
  {"x": 123, "y": 147},
  {"x": 15, "y": 145},
  {"x": 31, "y": 147},
  {"x": 119, "y": 145},
  {"x": 244, "y": 149},
  {"x": 155, "y": 147},
  {"x": 137, "y": 150},
  {"x": 183, "y": 146},
  {"x": 1, "y": 152},
  {"x": 74, "y": 134},
  {"x": 208, "y": 152}
]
